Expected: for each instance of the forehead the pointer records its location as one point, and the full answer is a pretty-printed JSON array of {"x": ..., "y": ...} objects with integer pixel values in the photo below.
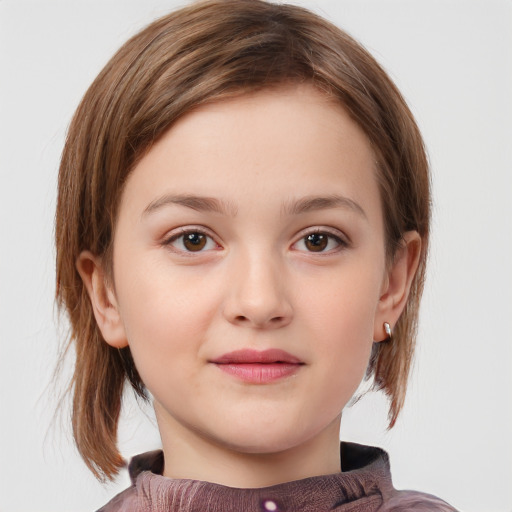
[{"x": 292, "y": 140}]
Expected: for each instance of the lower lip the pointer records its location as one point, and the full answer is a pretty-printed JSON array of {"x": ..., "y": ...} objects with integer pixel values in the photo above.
[{"x": 259, "y": 373}]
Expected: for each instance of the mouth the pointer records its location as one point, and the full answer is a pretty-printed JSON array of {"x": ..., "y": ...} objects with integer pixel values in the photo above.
[{"x": 258, "y": 367}]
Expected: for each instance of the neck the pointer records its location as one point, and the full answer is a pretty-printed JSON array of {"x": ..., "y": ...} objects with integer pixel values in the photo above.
[{"x": 188, "y": 455}]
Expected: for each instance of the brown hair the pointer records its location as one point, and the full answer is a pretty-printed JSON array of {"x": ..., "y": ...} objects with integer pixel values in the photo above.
[{"x": 201, "y": 53}]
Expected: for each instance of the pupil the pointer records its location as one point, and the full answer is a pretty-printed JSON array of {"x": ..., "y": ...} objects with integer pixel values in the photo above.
[
  {"x": 194, "y": 241},
  {"x": 316, "y": 242}
]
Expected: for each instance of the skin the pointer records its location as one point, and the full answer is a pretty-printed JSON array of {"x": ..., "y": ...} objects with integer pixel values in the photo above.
[{"x": 256, "y": 283}]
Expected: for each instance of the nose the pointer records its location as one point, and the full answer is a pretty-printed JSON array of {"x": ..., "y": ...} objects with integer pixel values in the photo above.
[{"x": 257, "y": 295}]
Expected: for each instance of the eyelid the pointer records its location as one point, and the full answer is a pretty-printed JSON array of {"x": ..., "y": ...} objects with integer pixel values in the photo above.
[
  {"x": 175, "y": 234},
  {"x": 342, "y": 239}
]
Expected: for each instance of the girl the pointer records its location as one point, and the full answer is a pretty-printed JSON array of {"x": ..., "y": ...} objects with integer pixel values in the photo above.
[{"x": 242, "y": 229}]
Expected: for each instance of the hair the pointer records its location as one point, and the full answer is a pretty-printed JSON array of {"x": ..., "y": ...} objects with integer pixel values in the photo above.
[{"x": 202, "y": 53}]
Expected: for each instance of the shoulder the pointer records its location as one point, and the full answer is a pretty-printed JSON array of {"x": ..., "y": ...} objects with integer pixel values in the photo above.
[
  {"x": 412, "y": 501},
  {"x": 125, "y": 501},
  {"x": 128, "y": 500},
  {"x": 372, "y": 466}
]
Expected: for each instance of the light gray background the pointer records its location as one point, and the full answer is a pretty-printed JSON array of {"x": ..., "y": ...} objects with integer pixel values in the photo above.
[{"x": 452, "y": 61}]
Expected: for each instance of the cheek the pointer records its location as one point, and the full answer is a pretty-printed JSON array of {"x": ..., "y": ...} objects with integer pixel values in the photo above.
[
  {"x": 342, "y": 354},
  {"x": 341, "y": 316},
  {"x": 344, "y": 302},
  {"x": 165, "y": 313},
  {"x": 345, "y": 338}
]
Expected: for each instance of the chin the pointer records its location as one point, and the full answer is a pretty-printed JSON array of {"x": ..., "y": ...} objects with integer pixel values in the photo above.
[
  {"x": 269, "y": 439},
  {"x": 253, "y": 446}
]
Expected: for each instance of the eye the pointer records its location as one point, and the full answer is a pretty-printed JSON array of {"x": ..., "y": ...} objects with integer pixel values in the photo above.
[
  {"x": 319, "y": 241},
  {"x": 192, "y": 241}
]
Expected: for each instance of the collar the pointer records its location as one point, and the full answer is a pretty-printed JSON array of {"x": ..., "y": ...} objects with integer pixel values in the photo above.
[{"x": 362, "y": 486}]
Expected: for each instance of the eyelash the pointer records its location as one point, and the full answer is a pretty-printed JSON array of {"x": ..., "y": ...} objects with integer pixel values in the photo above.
[
  {"x": 340, "y": 242},
  {"x": 189, "y": 232},
  {"x": 208, "y": 240}
]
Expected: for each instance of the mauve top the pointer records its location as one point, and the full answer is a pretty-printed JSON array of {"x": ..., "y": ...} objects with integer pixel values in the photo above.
[{"x": 364, "y": 485}]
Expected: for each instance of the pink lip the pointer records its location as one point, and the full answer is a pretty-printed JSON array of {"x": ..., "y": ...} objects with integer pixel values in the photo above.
[{"x": 258, "y": 367}]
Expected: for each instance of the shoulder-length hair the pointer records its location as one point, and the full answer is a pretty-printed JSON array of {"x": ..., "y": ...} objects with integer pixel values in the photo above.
[{"x": 204, "y": 52}]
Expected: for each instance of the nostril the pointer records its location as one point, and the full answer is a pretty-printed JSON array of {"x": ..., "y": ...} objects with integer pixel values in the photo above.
[{"x": 273, "y": 321}]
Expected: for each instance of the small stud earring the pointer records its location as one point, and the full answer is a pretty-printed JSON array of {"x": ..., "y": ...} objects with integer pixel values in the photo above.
[{"x": 389, "y": 332}]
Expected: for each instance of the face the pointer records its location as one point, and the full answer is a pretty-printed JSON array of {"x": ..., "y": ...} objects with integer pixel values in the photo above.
[{"x": 249, "y": 269}]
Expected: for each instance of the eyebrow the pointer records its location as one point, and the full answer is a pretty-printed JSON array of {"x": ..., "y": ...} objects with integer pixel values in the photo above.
[
  {"x": 198, "y": 203},
  {"x": 313, "y": 203},
  {"x": 212, "y": 204}
]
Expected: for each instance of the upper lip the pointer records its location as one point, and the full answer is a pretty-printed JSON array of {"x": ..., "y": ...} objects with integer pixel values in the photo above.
[{"x": 248, "y": 356}]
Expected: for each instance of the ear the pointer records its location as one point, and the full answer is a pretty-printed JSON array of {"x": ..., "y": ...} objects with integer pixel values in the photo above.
[
  {"x": 103, "y": 300},
  {"x": 397, "y": 284}
]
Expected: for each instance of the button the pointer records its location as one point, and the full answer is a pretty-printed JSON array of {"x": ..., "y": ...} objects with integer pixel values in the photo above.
[{"x": 270, "y": 506}]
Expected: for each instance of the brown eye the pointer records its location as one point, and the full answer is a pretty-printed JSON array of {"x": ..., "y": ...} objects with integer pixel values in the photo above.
[
  {"x": 191, "y": 241},
  {"x": 320, "y": 242},
  {"x": 316, "y": 242},
  {"x": 194, "y": 241}
]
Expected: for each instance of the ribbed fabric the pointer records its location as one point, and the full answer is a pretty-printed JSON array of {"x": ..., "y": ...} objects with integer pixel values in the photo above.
[{"x": 364, "y": 486}]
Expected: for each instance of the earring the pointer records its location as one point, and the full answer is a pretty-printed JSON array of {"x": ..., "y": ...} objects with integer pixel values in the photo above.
[{"x": 389, "y": 332}]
